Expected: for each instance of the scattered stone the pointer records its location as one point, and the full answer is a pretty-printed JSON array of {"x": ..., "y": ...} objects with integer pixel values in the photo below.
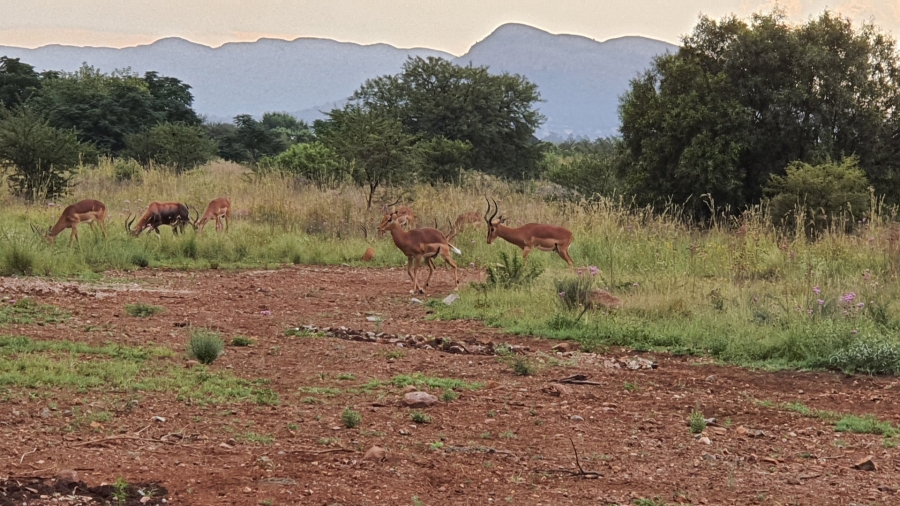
[
  {"x": 566, "y": 347},
  {"x": 866, "y": 464},
  {"x": 247, "y": 490},
  {"x": 744, "y": 431},
  {"x": 409, "y": 388},
  {"x": 225, "y": 446},
  {"x": 376, "y": 453},
  {"x": 719, "y": 430},
  {"x": 704, "y": 440},
  {"x": 576, "y": 418},
  {"x": 373, "y": 318},
  {"x": 711, "y": 378},
  {"x": 450, "y": 299},
  {"x": 159, "y": 419},
  {"x": 416, "y": 301},
  {"x": 191, "y": 363},
  {"x": 419, "y": 400},
  {"x": 66, "y": 477},
  {"x": 633, "y": 363},
  {"x": 556, "y": 389}
]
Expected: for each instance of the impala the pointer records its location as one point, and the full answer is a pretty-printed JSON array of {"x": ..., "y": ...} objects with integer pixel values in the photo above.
[
  {"x": 417, "y": 244},
  {"x": 529, "y": 236},
  {"x": 157, "y": 214},
  {"x": 85, "y": 211},
  {"x": 217, "y": 209},
  {"x": 402, "y": 211},
  {"x": 466, "y": 218}
]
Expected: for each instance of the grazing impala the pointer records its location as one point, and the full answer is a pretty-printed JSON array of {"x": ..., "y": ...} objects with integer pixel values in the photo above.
[
  {"x": 417, "y": 244},
  {"x": 529, "y": 236},
  {"x": 401, "y": 212},
  {"x": 217, "y": 209},
  {"x": 85, "y": 211},
  {"x": 466, "y": 218},
  {"x": 157, "y": 214}
]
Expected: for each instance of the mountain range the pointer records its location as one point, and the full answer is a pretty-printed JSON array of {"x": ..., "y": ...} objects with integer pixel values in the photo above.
[{"x": 580, "y": 79}]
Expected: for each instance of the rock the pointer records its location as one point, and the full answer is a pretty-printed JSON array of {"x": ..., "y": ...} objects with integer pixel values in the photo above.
[
  {"x": 225, "y": 446},
  {"x": 450, "y": 299},
  {"x": 419, "y": 400},
  {"x": 159, "y": 419},
  {"x": 704, "y": 440},
  {"x": 576, "y": 418},
  {"x": 369, "y": 255},
  {"x": 566, "y": 347},
  {"x": 376, "y": 453},
  {"x": 66, "y": 477},
  {"x": 373, "y": 318},
  {"x": 247, "y": 490},
  {"x": 191, "y": 363},
  {"x": 744, "y": 431},
  {"x": 416, "y": 301},
  {"x": 711, "y": 378},
  {"x": 601, "y": 299},
  {"x": 556, "y": 389},
  {"x": 146, "y": 499},
  {"x": 866, "y": 464}
]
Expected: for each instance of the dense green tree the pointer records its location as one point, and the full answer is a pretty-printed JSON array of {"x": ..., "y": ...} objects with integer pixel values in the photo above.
[
  {"x": 492, "y": 113},
  {"x": 374, "y": 144},
  {"x": 176, "y": 145},
  {"x": 739, "y": 101},
  {"x": 291, "y": 129},
  {"x": 18, "y": 82},
  {"x": 39, "y": 159},
  {"x": 441, "y": 159},
  {"x": 104, "y": 108},
  {"x": 314, "y": 161},
  {"x": 588, "y": 168}
]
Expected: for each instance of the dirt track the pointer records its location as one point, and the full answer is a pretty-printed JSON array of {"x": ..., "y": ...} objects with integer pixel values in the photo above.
[{"x": 505, "y": 442}]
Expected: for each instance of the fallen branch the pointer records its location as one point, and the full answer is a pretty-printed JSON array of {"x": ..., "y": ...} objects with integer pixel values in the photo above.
[
  {"x": 320, "y": 452},
  {"x": 26, "y": 453},
  {"x": 580, "y": 472},
  {"x": 113, "y": 438},
  {"x": 480, "y": 449},
  {"x": 578, "y": 379}
]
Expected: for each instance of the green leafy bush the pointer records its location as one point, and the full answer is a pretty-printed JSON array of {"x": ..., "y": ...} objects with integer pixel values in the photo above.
[
  {"x": 205, "y": 346},
  {"x": 314, "y": 161},
  {"x": 819, "y": 196},
  {"x": 141, "y": 310},
  {"x": 574, "y": 292},
  {"x": 868, "y": 357},
  {"x": 512, "y": 271},
  {"x": 180, "y": 147},
  {"x": 351, "y": 418}
]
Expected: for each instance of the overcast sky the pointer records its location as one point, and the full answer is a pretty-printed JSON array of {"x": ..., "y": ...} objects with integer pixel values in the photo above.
[{"x": 451, "y": 26}]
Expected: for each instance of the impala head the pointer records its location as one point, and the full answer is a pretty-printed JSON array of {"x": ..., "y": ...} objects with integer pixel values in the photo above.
[
  {"x": 44, "y": 235},
  {"x": 196, "y": 223},
  {"x": 493, "y": 224},
  {"x": 128, "y": 223}
]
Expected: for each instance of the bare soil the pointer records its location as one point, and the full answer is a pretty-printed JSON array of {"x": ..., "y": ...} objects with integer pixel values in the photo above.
[{"x": 511, "y": 441}]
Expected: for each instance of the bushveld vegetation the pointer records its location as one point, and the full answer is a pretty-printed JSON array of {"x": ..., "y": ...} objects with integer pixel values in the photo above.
[{"x": 748, "y": 232}]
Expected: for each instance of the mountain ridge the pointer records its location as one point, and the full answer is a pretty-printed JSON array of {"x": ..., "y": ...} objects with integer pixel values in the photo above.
[{"x": 579, "y": 78}]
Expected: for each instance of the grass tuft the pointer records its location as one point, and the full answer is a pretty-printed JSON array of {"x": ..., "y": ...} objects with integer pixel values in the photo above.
[
  {"x": 141, "y": 310},
  {"x": 205, "y": 346}
]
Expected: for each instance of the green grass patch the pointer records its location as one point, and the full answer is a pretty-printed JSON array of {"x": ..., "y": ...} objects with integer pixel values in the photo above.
[
  {"x": 419, "y": 379},
  {"x": 27, "y": 311},
  {"x": 35, "y": 364},
  {"x": 866, "y": 424},
  {"x": 326, "y": 391},
  {"x": 141, "y": 310},
  {"x": 256, "y": 438}
]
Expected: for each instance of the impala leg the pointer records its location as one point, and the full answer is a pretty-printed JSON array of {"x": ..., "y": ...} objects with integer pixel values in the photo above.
[
  {"x": 74, "y": 236},
  {"x": 525, "y": 251},
  {"x": 103, "y": 227},
  {"x": 409, "y": 270},
  {"x": 227, "y": 217},
  {"x": 564, "y": 253},
  {"x": 445, "y": 252},
  {"x": 416, "y": 264},
  {"x": 430, "y": 261}
]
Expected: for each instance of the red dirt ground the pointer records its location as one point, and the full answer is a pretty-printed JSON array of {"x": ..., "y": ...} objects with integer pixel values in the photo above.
[{"x": 507, "y": 442}]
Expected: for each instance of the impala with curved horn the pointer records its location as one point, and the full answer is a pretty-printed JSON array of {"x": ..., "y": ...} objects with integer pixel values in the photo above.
[
  {"x": 84, "y": 211},
  {"x": 217, "y": 209},
  {"x": 402, "y": 211},
  {"x": 529, "y": 236},
  {"x": 418, "y": 244},
  {"x": 174, "y": 214}
]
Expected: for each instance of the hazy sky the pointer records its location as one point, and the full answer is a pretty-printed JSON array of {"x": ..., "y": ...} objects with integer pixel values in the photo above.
[{"x": 451, "y": 26}]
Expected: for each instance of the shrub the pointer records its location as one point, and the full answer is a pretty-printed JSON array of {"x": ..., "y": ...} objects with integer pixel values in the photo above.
[
  {"x": 697, "y": 422},
  {"x": 205, "y": 346},
  {"x": 350, "y": 418},
  {"x": 241, "y": 341},
  {"x": 512, "y": 271},
  {"x": 817, "y": 195},
  {"x": 140, "y": 260},
  {"x": 574, "y": 292},
  {"x": 17, "y": 260},
  {"x": 522, "y": 367},
  {"x": 314, "y": 161},
  {"x": 141, "y": 310},
  {"x": 178, "y": 146},
  {"x": 420, "y": 417},
  {"x": 41, "y": 158},
  {"x": 867, "y": 356},
  {"x": 127, "y": 170}
]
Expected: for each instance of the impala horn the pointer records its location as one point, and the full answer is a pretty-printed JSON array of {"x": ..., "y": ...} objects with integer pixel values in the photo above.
[
  {"x": 365, "y": 232},
  {"x": 128, "y": 224},
  {"x": 486, "y": 219}
]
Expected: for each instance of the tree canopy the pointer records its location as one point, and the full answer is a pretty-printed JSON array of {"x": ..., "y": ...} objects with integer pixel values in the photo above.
[
  {"x": 741, "y": 100},
  {"x": 493, "y": 114}
]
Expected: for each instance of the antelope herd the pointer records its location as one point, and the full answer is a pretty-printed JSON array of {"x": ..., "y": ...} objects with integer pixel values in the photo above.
[{"x": 418, "y": 244}]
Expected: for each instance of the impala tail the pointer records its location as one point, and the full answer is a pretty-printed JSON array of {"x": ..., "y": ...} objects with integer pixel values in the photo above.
[{"x": 455, "y": 249}]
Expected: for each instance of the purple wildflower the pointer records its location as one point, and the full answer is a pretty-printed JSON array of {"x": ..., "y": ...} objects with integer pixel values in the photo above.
[
  {"x": 562, "y": 294},
  {"x": 849, "y": 297},
  {"x": 821, "y": 302},
  {"x": 854, "y": 331},
  {"x": 265, "y": 312},
  {"x": 580, "y": 272},
  {"x": 809, "y": 311},
  {"x": 594, "y": 270},
  {"x": 816, "y": 290}
]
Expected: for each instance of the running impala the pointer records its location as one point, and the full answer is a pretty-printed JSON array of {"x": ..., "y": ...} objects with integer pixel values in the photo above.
[
  {"x": 217, "y": 209},
  {"x": 417, "y": 244},
  {"x": 529, "y": 236},
  {"x": 84, "y": 211},
  {"x": 157, "y": 214},
  {"x": 401, "y": 212}
]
